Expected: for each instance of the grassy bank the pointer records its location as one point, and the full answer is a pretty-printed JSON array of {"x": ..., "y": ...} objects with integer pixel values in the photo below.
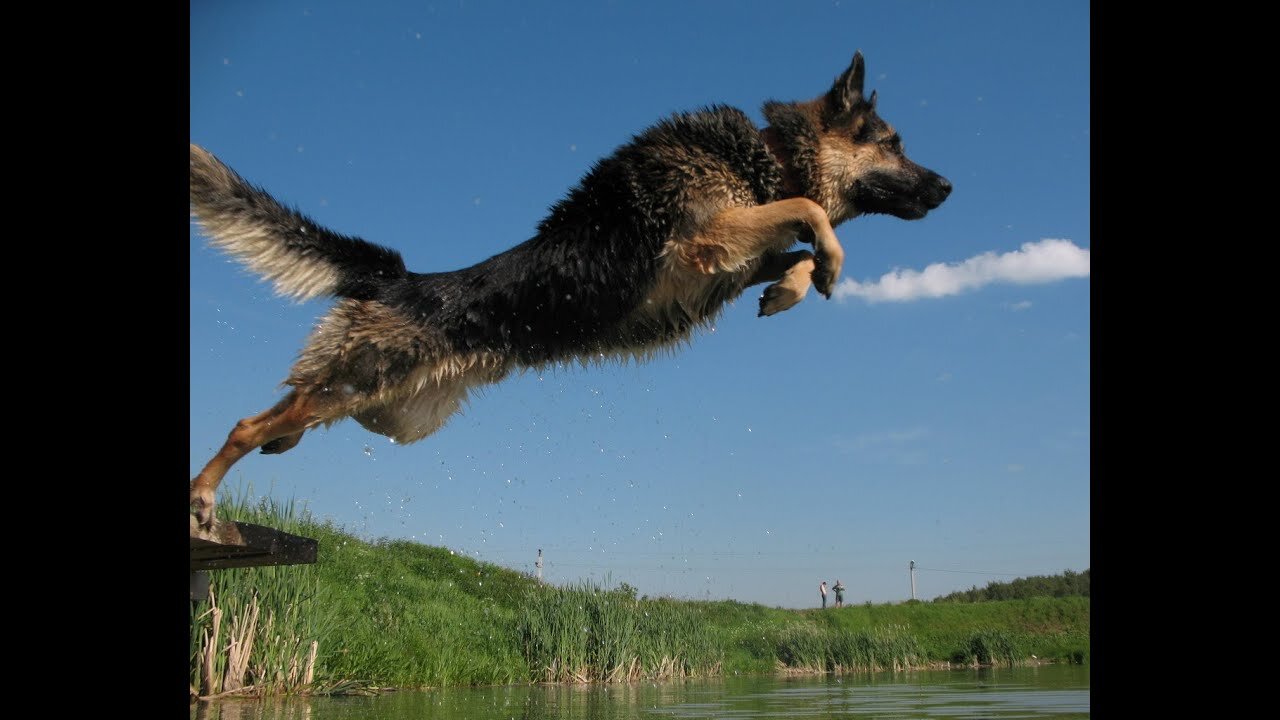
[{"x": 401, "y": 614}]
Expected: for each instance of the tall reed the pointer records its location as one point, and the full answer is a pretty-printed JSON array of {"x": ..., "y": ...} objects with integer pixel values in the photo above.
[
  {"x": 583, "y": 633},
  {"x": 260, "y": 629},
  {"x": 810, "y": 648},
  {"x": 991, "y": 647}
]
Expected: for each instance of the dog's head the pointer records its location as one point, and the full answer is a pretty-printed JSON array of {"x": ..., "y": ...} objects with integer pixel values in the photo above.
[
  {"x": 863, "y": 159},
  {"x": 849, "y": 159}
]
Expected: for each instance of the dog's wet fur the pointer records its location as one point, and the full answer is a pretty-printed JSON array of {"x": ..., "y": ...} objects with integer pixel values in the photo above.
[{"x": 649, "y": 246}]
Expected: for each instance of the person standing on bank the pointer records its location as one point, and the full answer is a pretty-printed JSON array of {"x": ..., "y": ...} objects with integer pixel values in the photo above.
[
  {"x": 839, "y": 588},
  {"x": 822, "y": 590}
]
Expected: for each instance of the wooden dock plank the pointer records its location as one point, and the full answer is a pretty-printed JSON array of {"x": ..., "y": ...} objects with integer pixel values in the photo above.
[{"x": 231, "y": 544}]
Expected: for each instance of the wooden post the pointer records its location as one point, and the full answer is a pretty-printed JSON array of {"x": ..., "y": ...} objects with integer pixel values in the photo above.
[{"x": 199, "y": 585}]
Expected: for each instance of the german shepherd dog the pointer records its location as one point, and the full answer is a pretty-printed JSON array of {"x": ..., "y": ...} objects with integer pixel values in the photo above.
[{"x": 649, "y": 246}]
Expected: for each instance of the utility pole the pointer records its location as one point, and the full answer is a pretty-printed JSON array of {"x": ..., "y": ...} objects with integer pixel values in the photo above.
[
  {"x": 913, "y": 579},
  {"x": 538, "y": 564}
]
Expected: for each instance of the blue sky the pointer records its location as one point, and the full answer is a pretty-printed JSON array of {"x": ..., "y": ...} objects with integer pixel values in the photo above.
[{"x": 937, "y": 410}]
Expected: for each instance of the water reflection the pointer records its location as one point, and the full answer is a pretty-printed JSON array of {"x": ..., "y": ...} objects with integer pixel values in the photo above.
[{"x": 1052, "y": 691}]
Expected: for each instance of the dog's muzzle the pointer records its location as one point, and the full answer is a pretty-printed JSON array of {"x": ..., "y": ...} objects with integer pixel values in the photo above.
[{"x": 937, "y": 190}]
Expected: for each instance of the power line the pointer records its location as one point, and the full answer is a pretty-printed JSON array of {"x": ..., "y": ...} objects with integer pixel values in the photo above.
[
  {"x": 675, "y": 557},
  {"x": 732, "y": 568},
  {"x": 974, "y": 572},
  {"x": 666, "y": 553}
]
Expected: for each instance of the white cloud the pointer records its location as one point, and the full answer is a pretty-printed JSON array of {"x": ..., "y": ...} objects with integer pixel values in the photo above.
[
  {"x": 1036, "y": 262},
  {"x": 1024, "y": 305}
]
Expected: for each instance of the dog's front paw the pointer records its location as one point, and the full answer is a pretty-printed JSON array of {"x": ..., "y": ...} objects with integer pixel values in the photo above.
[
  {"x": 202, "y": 504},
  {"x": 826, "y": 271},
  {"x": 780, "y": 296}
]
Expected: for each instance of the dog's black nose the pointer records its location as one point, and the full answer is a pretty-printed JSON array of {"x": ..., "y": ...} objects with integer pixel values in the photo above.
[{"x": 944, "y": 187}]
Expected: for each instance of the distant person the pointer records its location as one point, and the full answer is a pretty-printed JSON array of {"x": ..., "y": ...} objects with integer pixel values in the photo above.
[
  {"x": 839, "y": 588},
  {"x": 822, "y": 590}
]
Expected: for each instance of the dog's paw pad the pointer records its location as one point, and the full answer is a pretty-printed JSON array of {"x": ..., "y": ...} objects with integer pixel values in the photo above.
[{"x": 776, "y": 298}]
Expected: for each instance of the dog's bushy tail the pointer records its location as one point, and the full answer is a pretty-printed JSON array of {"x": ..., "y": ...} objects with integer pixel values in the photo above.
[{"x": 302, "y": 259}]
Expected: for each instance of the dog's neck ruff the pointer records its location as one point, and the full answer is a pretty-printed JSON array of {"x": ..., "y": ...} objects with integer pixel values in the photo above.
[
  {"x": 793, "y": 142},
  {"x": 792, "y": 186}
]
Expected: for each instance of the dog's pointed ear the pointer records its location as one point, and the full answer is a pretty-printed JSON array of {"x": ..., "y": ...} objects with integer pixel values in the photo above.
[
  {"x": 871, "y": 102},
  {"x": 846, "y": 93}
]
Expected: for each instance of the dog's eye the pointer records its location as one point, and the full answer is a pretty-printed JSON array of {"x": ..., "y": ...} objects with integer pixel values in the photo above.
[{"x": 894, "y": 142}]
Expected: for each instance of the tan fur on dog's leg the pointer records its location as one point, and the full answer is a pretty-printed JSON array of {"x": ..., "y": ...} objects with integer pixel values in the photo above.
[
  {"x": 774, "y": 265},
  {"x": 287, "y": 419},
  {"x": 790, "y": 289},
  {"x": 281, "y": 444},
  {"x": 738, "y": 235}
]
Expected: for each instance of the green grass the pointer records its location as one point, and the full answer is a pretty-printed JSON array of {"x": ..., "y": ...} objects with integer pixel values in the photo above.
[{"x": 401, "y": 614}]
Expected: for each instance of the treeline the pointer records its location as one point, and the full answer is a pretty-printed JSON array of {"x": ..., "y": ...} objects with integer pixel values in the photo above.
[{"x": 1068, "y": 584}]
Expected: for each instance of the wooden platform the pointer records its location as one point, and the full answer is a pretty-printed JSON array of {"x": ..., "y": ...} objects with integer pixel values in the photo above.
[{"x": 233, "y": 544}]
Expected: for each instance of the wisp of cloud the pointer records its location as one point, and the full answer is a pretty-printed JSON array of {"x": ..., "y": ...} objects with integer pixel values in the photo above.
[{"x": 1035, "y": 262}]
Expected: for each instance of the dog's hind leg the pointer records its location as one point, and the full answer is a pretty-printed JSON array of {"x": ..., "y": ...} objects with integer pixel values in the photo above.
[
  {"x": 285, "y": 422},
  {"x": 792, "y": 274}
]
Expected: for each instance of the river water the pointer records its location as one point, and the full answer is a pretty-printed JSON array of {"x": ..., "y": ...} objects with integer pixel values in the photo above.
[{"x": 1047, "y": 691}]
